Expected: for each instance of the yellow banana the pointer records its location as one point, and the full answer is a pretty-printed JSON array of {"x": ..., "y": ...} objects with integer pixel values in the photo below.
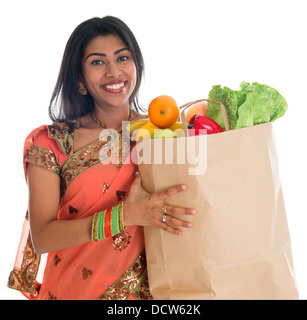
[
  {"x": 136, "y": 124},
  {"x": 177, "y": 127},
  {"x": 146, "y": 130}
]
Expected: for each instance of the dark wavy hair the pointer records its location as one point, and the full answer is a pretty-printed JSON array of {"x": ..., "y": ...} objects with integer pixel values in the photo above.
[{"x": 67, "y": 103}]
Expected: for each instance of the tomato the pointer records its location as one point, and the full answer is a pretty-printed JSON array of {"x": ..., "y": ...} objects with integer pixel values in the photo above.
[{"x": 163, "y": 111}]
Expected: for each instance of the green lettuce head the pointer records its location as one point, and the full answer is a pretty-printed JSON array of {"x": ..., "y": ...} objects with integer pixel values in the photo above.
[{"x": 253, "y": 104}]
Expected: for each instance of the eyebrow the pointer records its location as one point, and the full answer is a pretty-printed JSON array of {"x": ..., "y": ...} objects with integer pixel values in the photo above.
[{"x": 104, "y": 54}]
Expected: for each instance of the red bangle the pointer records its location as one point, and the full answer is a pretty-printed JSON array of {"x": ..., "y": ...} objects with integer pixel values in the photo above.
[{"x": 107, "y": 223}]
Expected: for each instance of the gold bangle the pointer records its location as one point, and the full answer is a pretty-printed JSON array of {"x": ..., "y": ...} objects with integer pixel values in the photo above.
[
  {"x": 95, "y": 227},
  {"x": 120, "y": 217}
]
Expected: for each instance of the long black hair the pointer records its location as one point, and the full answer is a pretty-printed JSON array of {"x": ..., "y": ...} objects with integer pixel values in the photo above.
[{"x": 67, "y": 103}]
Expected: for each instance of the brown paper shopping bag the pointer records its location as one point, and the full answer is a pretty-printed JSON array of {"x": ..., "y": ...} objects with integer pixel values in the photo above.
[{"x": 239, "y": 247}]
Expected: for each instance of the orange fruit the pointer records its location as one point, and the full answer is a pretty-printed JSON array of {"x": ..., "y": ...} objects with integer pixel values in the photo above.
[
  {"x": 199, "y": 107},
  {"x": 163, "y": 111}
]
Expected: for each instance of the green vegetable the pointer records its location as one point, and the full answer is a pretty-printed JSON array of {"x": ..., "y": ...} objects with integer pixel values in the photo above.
[
  {"x": 253, "y": 104},
  {"x": 253, "y": 111},
  {"x": 229, "y": 99}
]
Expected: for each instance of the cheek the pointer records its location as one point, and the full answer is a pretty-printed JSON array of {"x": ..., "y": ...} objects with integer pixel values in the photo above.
[{"x": 91, "y": 78}]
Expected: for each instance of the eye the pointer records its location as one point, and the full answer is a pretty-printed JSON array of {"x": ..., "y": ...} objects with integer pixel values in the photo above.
[
  {"x": 97, "y": 62},
  {"x": 123, "y": 58}
]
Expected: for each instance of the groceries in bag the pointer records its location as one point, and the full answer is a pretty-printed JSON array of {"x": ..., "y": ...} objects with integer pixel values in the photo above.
[
  {"x": 240, "y": 246},
  {"x": 251, "y": 105}
]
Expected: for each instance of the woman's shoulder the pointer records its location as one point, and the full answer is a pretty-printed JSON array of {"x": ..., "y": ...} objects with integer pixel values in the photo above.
[
  {"x": 63, "y": 132},
  {"x": 62, "y": 127},
  {"x": 57, "y": 134}
]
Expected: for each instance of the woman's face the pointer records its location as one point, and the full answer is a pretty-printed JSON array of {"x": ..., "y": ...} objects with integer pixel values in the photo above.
[{"x": 109, "y": 72}]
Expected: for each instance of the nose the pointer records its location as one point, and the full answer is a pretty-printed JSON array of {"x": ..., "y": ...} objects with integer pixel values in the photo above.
[{"x": 112, "y": 71}]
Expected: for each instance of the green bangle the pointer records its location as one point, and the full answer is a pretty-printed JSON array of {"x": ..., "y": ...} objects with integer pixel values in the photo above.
[
  {"x": 115, "y": 221},
  {"x": 108, "y": 223},
  {"x": 101, "y": 225}
]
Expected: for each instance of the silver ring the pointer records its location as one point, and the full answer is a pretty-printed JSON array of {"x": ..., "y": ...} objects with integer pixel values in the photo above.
[{"x": 164, "y": 218}]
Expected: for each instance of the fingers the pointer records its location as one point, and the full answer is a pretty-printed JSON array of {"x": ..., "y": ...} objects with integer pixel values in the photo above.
[
  {"x": 171, "y": 223},
  {"x": 171, "y": 191},
  {"x": 162, "y": 194},
  {"x": 154, "y": 204},
  {"x": 170, "y": 220},
  {"x": 179, "y": 210}
]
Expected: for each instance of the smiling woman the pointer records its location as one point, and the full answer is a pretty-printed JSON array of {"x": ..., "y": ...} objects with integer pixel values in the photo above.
[
  {"x": 66, "y": 102},
  {"x": 86, "y": 212},
  {"x": 110, "y": 76}
]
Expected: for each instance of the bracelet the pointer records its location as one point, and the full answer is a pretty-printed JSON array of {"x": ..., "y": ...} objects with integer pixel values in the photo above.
[{"x": 108, "y": 223}]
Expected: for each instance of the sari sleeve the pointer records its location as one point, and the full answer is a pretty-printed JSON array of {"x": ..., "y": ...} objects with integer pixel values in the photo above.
[{"x": 41, "y": 150}]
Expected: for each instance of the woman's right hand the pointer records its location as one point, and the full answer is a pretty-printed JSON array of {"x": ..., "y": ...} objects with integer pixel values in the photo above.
[{"x": 144, "y": 209}]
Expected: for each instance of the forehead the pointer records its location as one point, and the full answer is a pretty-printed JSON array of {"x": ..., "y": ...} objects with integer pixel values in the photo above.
[{"x": 104, "y": 44}]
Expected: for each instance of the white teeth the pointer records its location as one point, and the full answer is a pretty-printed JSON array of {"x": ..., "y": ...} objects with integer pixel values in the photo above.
[{"x": 115, "y": 86}]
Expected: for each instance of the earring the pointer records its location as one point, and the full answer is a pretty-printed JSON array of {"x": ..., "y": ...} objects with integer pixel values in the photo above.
[{"x": 82, "y": 88}]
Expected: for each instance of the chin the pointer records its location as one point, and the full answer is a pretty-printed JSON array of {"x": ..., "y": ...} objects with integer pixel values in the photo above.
[{"x": 115, "y": 102}]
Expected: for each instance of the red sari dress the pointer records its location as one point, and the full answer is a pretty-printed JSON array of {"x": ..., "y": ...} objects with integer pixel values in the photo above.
[{"x": 112, "y": 268}]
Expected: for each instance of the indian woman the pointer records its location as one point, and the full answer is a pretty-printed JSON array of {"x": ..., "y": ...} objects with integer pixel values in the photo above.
[{"x": 87, "y": 207}]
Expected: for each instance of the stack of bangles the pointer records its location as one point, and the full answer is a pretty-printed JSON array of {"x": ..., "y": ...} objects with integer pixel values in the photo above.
[{"x": 108, "y": 223}]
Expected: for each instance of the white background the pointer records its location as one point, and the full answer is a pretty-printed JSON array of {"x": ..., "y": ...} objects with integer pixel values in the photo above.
[{"x": 188, "y": 46}]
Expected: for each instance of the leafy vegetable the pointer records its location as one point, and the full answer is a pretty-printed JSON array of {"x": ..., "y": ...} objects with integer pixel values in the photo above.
[
  {"x": 276, "y": 103},
  {"x": 253, "y": 104},
  {"x": 229, "y": 99},
  {"x": 253, "y": 111}
]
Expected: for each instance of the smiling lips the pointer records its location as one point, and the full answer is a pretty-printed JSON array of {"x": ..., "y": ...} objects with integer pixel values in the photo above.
[{"x": 115, "y": 86}]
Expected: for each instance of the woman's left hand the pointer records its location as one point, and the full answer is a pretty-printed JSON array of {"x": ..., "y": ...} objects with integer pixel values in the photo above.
[{"x": 144, "y": 209}]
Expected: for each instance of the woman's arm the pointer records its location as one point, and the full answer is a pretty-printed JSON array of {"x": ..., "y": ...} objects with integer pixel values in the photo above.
[{"x": 49, "y": 234}]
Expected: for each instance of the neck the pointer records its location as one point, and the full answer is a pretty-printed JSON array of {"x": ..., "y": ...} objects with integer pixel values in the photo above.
[{"x": 111, "y": 118}]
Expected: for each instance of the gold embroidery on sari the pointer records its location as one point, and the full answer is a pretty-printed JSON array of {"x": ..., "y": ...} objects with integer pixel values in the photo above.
[
  {"x": 121, "y": 240},
  {"x": 86, "y": 273},
  {"x": 43, "y": 158},
  {"x": 144, "y": 293},
  {"x": 117, "y": 146},
  {"x": 123, "y": 145},
  {"x": 133, "y": 281},
  {"x": 24, "y": 279},
  {"x": 105, "y": 187},
  {"x": 78, "y": 163},
  {"x": 83, "y": 159},
  {"x": 63, "y": 134}
]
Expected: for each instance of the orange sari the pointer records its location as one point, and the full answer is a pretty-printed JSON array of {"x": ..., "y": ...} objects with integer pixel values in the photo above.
[{"x": 113, "y": 268}]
